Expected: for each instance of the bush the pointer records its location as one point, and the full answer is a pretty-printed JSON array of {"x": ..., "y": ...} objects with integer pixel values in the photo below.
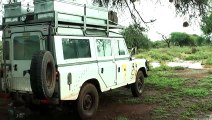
[
  {"x": 178, "y": 68},
  {"x": 202, "y": 53},
  {"x": 209, "y": 61},
  {"x": 193, "y": 50},
  {"x": 159, "y": 44}
]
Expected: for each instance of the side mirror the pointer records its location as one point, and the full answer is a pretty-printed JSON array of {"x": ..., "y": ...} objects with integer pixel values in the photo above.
[{"x": 133, "y": 51}]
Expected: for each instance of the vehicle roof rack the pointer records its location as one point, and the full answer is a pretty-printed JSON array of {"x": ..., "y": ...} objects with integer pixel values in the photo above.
[{"x": 60, "y": 12}]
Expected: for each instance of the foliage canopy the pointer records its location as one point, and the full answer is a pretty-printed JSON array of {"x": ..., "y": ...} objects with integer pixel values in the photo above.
[
  {"x": 207, "y": 25},
  {"x": 134, "y": 37},
  {"x": 193, "y": 8},
  {"x": 181, "y": 39}
]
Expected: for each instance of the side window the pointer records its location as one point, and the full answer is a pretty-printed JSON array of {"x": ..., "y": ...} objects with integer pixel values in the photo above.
[
  {"x": 120, "y": 48},
  {"x": 104, "y": 47},
  {"x": 76, "y": 48}
]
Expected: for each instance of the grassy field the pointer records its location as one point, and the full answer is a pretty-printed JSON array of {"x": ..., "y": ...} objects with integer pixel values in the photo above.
[
  {"x": 185, "y": 95},
  {"x": 175, "y": 94},
  {"x": 202, "y": 54}
]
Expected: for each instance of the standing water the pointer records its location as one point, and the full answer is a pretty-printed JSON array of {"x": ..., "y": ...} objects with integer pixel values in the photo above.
[{"x": 186, "y": 64}]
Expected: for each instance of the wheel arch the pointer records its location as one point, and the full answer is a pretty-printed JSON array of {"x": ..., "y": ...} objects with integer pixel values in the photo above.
[
  {"x": 143, "y": 69},
  {"x": 95, "y": 82}
]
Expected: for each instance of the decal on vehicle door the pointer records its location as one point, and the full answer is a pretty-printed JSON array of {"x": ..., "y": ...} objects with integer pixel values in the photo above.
[
  {"x": 134, "y": 71},
  {"x": 124, "y": 69}
]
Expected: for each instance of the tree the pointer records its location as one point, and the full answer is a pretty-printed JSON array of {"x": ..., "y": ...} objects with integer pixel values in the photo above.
[
  {"x": 202, "y": 41},
  {"x": 159, "y": 44},
  {"x": 166, "y": 39},
  {"x": 193, "y": 8},
  {"x": 134, "y": 37},
  {"x": 207, "y": 25},
  {"x": 181, "y": 39}
]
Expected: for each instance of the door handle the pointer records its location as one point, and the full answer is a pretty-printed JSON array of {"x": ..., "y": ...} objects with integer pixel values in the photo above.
[
  {"x": 15, "y": 67},
  {"x": 119, "y": 69},
  {"x": 102, "y": 70}
]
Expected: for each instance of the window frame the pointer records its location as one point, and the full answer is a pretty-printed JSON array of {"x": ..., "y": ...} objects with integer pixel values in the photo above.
[
  {"x": 111, "y": 48},
  {"x": 115, "y": 41},
  {"x": 76, "y": 47},
  {"x": 23, "y": 34}
]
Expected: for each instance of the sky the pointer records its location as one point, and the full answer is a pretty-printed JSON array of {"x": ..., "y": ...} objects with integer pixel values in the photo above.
[
  {"x": 164, "y": 13},
  {"x": 166, "y": 19}
]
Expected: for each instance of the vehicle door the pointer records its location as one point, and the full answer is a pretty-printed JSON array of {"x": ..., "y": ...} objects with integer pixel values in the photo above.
[
  {"x": 23, "y": 46},
  {"x": 122, "y": 60},
  {"x": 106, "y": 63}
]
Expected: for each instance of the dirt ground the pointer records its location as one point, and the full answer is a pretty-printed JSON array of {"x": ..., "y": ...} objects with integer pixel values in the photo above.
[{"x": 109, "y": 108}]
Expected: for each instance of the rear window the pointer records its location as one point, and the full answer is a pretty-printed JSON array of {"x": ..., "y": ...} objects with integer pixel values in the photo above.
[
  {"x": 76, "y": 48},
  {"x": 25, "y": 46}
]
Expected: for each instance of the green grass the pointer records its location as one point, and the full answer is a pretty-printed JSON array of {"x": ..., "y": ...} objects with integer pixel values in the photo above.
[
  {"x": 121, "y": 118},
  {"x": 189, "y": 99},
  {"x": 202, "y": 53},
  {"x": 160, "y": 113},
  {"x": 178, "y": 68},
  {"x": 163, "y": 68},
  {"x": 163, "y": 82},
  {"x": 209, "y": 61},
  {"x": 195, "y": 92},
  {"x": 131, "y": 101},
  {"x": 206, "y": 82},
  {"x": 174, "y": 94}
]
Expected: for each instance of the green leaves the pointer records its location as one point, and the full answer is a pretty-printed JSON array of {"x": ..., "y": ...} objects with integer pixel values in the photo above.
[
  {"x": 181, "y": 39},
  {"x": 134, "y": 37},
  {"x": 207, "y": 24},
  {"x": 193, "y": 8}
]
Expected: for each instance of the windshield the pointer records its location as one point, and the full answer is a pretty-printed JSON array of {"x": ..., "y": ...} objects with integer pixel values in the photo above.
[{"x": 25, "y": 46}]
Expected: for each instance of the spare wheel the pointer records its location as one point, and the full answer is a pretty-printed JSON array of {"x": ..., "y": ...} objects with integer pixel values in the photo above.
[{"x": 42, "y": 74}]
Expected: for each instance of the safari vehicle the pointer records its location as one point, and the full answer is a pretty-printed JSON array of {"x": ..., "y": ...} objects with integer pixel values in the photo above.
[{"x": 60, "y": 51}]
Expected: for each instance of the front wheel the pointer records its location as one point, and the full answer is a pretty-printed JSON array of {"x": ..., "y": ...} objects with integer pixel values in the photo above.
[
  {"x": 88, "y": 101},
  {"x": 138, "y": 87}
]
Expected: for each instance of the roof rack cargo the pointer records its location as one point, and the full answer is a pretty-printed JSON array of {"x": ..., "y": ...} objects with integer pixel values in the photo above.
[
  {"x": 17, "y": 9},
  {"x": 59, "y": 13}
]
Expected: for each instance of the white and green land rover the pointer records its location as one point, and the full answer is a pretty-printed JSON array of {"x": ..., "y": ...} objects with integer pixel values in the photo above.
[{"x": 61, "y": 51}]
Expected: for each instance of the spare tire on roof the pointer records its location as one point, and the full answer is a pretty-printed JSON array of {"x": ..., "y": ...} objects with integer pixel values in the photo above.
[{"x": 42, "y": 74}]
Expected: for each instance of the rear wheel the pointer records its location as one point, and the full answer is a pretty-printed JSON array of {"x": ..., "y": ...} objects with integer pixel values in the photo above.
[
  {"x": 88, "y": 101},
  {"x": 138, "y": 87}
]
